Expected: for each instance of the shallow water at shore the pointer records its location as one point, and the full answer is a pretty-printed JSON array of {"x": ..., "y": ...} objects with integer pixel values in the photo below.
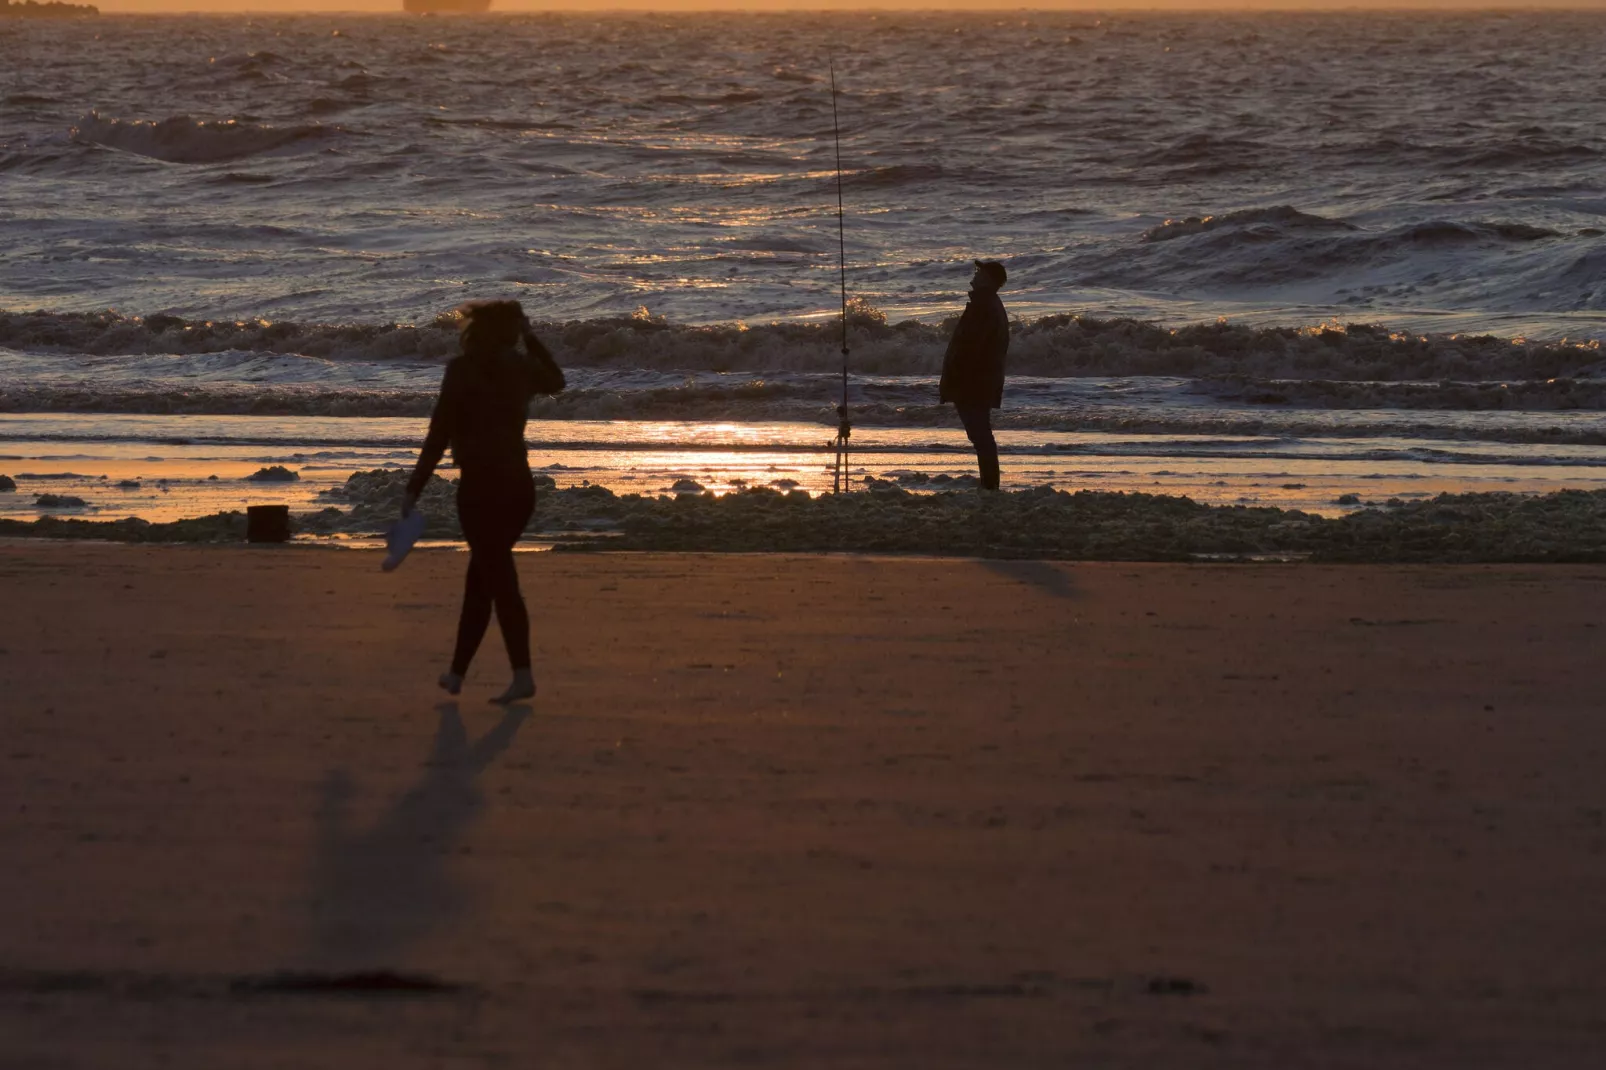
[{"x": 163, "y": 468}]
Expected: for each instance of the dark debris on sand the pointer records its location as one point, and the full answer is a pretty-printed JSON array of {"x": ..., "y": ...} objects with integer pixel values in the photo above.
[
  {"x": 219, "y": 527},
  {"x": 1038, "y": 523},
  {"x": 277, "y": 473}
]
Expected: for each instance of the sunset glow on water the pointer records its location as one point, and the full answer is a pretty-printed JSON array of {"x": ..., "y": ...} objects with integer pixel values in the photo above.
[{"x": 271, "y": 193}]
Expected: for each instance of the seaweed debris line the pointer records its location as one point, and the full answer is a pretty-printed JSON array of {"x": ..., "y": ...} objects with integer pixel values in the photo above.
[{"x": 1038, "y": 523}]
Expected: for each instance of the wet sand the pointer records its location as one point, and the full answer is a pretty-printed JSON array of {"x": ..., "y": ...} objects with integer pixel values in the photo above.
[{"x": 800, "y": 811}]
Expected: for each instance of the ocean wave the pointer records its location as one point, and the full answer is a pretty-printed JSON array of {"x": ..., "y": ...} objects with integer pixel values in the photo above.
[
  {"x": 1549, "y": 395},
  {"x": 732, "y": 96},
  {"x": 112, "y": 333},
  {"x": 1444, "y": 232},
  {"x": 180, "y": 139},
  {"x": 1279, "y": 219},
  {"x": 362, "y": 81},
  {"x": 1196, "y": 149},
  {"x": 1056, "y": 346},
  {"x": 1265, "y": 250},
  {"x": 902, "y": 174},
  {"x": 1522, "y": 153},
  {"x": 261, "y": 58},
  {"x": 1257, "y": 225},
  {"x": 813, "y": 403}
]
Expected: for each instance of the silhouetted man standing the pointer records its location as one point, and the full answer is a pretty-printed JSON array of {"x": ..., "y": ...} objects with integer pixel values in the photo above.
[{"x": 973, "y": 370}]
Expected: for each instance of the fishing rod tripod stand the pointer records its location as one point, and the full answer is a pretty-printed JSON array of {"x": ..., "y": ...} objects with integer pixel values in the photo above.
[{"x": 844, "y": 428}]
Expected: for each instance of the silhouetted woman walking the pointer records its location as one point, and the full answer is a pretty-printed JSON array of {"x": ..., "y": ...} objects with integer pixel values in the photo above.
[{"x": 484, "y": 401}]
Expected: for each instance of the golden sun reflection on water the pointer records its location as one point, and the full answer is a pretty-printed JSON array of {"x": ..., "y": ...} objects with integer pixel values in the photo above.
[{"x": 161, "y": 468}]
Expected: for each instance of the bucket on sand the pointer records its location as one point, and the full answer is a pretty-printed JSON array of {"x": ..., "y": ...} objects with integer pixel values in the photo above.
[{"x": 267, "y": 523}]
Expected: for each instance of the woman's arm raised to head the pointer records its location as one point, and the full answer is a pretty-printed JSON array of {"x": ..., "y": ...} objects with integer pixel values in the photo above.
[{"x": 545, "y": 375}]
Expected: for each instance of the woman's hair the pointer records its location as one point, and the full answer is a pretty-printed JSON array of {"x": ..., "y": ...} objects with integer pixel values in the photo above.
[{"x": 490, "y": 326}]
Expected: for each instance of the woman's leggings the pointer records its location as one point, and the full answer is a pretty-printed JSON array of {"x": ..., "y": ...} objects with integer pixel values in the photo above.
[{"x": 493, "y": 512}]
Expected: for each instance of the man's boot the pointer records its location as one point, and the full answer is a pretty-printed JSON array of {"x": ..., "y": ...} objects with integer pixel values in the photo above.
[{"x": 989, "y": 473}]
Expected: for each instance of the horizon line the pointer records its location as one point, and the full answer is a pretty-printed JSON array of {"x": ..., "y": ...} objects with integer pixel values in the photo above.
[{"x": 757, "y": 7}]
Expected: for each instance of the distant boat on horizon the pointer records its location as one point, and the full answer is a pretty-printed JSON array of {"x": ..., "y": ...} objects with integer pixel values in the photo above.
[{"x": 446, "y": 7}]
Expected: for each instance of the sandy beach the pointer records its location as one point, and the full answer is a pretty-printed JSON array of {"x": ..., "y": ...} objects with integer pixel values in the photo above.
[{"x": 800, "y": 811}]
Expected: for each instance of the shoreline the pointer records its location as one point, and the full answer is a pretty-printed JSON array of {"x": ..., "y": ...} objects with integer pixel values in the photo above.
[{"x": 163, "y": 469}]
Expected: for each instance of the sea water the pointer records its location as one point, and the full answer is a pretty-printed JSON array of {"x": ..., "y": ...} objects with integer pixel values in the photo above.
[{"x": 210, "y": 228}]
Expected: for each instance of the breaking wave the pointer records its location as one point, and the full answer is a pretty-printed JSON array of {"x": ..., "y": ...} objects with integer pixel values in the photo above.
[
  {"x": 1050, "y": 346},
  {"x": 910, "y": 404},
  {"x": 181, "y": 139}
]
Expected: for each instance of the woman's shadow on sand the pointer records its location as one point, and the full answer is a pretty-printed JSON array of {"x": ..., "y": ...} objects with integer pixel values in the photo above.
[
  {"x": 1047, "y": 576},
  {"x": 378, "y": 890}
]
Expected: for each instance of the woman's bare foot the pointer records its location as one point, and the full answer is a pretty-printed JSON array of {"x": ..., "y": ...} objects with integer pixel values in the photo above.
[
  {"x": 523, "y": 686},
  {"x": 450, "y": 682}
]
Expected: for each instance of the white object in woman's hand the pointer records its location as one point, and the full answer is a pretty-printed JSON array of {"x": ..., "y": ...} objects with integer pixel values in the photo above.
[{"x": 399, "y": 539}]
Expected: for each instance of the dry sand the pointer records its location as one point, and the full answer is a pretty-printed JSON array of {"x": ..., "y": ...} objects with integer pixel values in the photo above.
[{"x": 802, "y": 811}]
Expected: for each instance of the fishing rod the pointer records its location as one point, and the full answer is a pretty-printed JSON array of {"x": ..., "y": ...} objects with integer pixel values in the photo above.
[{"x": 844, "y": 426}]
